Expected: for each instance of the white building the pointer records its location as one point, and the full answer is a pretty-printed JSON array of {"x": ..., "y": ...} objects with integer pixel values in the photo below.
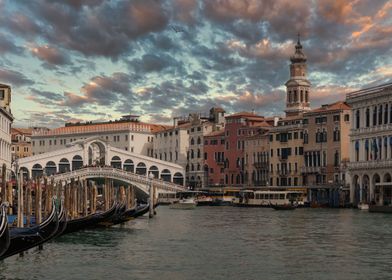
[
  {"x": 127, "y": 133},
  {"x": 6, "y": 119},
  {"x": 371, "y": 145}
]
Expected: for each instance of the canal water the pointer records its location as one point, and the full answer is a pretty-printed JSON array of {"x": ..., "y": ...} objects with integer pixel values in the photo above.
[{"x": 220, "y": 243}]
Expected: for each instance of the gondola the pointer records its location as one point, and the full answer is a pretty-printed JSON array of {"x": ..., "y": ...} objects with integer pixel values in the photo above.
[
  {"x": 283, "y": 206},
  {"x": 90, "y": 220},
  {"x": 142, "y": 209},
  {"x": 22, "y": 239},
  {"x": 116, "y": 218},
  {"x": 4, "y": 231},
  {"x": 62, "y": 219}
]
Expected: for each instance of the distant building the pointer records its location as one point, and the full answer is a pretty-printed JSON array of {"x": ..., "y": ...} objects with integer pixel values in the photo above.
[
  {"x": 371, "y": 145},
  {"x": 6, "y": 120},
  {"x": 326, "y": 145},
  {"x": 128, "y": 134},
  {"x": 21, "y": 142}
]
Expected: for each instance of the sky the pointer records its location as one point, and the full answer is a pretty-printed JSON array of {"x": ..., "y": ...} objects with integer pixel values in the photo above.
[{"x": 83, "y": 60}]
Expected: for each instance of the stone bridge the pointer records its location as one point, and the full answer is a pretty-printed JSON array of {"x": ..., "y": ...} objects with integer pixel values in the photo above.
[{"x": 96, "y": 152}]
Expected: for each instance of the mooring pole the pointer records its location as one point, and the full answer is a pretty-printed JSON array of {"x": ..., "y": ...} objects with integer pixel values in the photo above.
[{"x": 151, "y": 193}]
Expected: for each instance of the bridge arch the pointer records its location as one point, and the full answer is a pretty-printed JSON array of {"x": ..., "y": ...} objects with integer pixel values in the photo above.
[
  {"x": 97, "y": 152},
  {"x": 141, "y": 168},
  {"x": 64, "y": 165},
  {"x": 129, "y": 165},
  {"x": 25, "y": 173},
  {"x": 166, "y": 175},
  {"x": 37, "y": 170},
  {"x": 154, "y": 170},
  {"x": 178, "y": 178},
  {"x": 116, "y": 162},
  {"x": 77, "y": 162},
  {"x": 50, "y": 168}
]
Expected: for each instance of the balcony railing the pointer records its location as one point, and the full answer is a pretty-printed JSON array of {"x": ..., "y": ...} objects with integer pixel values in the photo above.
[
  {"x": 261, "y": 165},
  {"x": 376, "y": 164},
  {"x": 372, "y": 129}
]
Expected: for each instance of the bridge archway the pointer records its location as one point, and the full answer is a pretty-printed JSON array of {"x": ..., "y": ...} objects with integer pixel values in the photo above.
[
  {"x": 116, "y": 162},
  {"x": 178, "y": 178},
  {"x": 37, "y": 170},
  {"x": 50, "y": 168},
  {"x": 166, "y": 175},
  {"x": 141, "y": 168},
  {"x": 77, "y": 162},
  {"x": 154, "y": 170},
  {"x": 129, "y": 165},
  {"x": 64, "y": 165},
  {"x": 25, "y": 173},
  {"x": 96, "y": 153}
]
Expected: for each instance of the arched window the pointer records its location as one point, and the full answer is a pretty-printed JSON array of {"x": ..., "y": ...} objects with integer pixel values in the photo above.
[
  {"x": 375, "y": 115},
  {"x": 198, "y": 167},
  {"x": 198, "y": 153},
  {"x": 386, "y": 114},
  {"x": 306, "y": 96},
  {"x": 192, "y": 167},
  {"x": 380, "y": 115},
  {"x": 192, "y": 154},
  {"x": 192, "y": 141},
  {"x": 324, "y": 135},
  {"x": 198, "y": 141},
  {"x": 357, "y": 119}
]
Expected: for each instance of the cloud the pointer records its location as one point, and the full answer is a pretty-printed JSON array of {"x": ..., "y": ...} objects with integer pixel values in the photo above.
[
  {"x": 155, "y": 63},
  {"x": 7, "y": 45},
  {"x": 50, "y": 55},
  {"x": 14, "y": 78}
]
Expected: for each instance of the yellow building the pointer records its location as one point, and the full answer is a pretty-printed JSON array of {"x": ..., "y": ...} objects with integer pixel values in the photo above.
[{"x": 21, "y": 142}]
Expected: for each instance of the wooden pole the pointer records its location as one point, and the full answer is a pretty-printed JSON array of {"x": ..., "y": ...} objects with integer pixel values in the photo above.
[
  {"x": 155, "y": 198},
  {"x": 151, "y": 193},
  {"x": 20, "y": 201},
  {"x": 45, "y": 197},
  {"x": 10, "y": 198},
  {"x": 38, "y": 201},
  {"x": 29, "y": 202},
  {"x": 85, "y": 197},
  {"x": 93, "y": 198},
  {"x": 3, "y": 183},
  {"x": 66, "y": 199}
]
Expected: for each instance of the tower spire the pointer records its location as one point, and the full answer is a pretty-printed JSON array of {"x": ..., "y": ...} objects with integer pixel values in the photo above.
[{"x": 299, "y": 39}]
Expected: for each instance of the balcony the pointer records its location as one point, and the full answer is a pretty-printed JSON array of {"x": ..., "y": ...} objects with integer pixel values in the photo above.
[
  {"x": 283, "y": 173},
  {"x": 312, "y": 169},
  {"x": 375, "y": 164},
  {"x": 283, "y": 158},
  {"x": 371, "y": 130}
]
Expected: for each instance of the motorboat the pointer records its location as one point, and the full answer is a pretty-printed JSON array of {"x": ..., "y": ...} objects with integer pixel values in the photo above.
[
  {"x": 363, "y": 206},
  {"x": 184, "y": 203}
]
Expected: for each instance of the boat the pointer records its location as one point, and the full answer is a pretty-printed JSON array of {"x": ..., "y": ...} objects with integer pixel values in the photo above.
[
  {"x": 184, "y": 203},
  {"x": 142, "y": 209},
  {"x": 90, "y": 220},
  {"x": 266, "y": 198},
  {"x": 380, "y": 208},
  {"x": 22, "y": 239},
  {"x": 204, "y": 200},
  {"x": 283, "y": 206},
  {"x": 62, "y": 216},
  {"x": 363, "y": 206},
  {"x": 4, "y": 231}
]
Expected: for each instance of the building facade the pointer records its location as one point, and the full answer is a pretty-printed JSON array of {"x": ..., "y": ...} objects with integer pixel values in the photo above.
[
  {"x": 214, "y": 149},
  {"x": 326, "y": 149},
  {"x": 127, "y": 133},
  {"x": 21, "y": 142},
  {"x": 370, "y": 164},
  {"x": 6, "y": 120}
]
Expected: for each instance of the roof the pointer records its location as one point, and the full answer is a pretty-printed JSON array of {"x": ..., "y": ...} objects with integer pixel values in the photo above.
[
  {"x": 340, "y": 105},
  {"x": 262, "y": 124},
  {"x": 104, "y": 127},
  {"x": 216, "y": 133},
  {"x": 24, "y": 131},
  {"x": 244, "y": 114},
  {"x": 4, "y": 85}
]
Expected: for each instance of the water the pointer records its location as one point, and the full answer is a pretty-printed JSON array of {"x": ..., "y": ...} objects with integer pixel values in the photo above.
[{"x": 220, "y": 243}]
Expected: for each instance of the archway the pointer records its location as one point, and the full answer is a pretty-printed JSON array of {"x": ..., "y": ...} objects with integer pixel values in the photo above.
[
  {"x": 178, "y": 178},
  {"x": 365, "y": 188},
  {"x": 96, "y": 153},
  {"x": 154, "y": 170},
  {"x": 64, "y": 165},
  {"x": 25, "y": 173},
  {"x": 36, "y": 171},
  {"x": 77, "y": 162},
  {"x": 141, "y": 168},
  {"x": 129, "y": 166},
  {"x": 166, "y": 175},
  {"x": 356, "y": 189},
  {"x": 116, "y": 162},
  {"x": 50, "y": 168}
]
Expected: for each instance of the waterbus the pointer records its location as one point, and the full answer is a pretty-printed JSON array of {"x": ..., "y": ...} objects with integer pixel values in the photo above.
[{"x": 264, "y": 198}]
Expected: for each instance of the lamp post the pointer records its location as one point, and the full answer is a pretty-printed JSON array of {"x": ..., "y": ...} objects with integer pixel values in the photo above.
[{"x": 151, "y": 193}]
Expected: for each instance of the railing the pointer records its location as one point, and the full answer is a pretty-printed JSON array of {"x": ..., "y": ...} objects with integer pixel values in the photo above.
[
  {"x": 261, "y": 165},
  {"x": 311, "y": 169},
  {"x": 370, "y": 164},
  {"x": 371, "y": 129},
  {"x": 115, "y": 173}
]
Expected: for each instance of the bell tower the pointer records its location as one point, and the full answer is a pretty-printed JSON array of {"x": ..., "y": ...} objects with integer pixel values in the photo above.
[{"x": 298, "y": 86}]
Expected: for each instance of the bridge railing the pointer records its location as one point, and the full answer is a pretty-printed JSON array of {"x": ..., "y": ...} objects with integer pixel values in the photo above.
[{"x": 117, "y": 174}]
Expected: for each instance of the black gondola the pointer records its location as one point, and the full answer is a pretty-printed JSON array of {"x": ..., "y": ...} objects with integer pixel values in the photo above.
[
  {"x": 22, "y": 239},
  {"x": 116, "y": 218},
  {"x": 4, "y": 231},
  {"x": 90, "y": 220},
  {"x": 62, "y": 219}
]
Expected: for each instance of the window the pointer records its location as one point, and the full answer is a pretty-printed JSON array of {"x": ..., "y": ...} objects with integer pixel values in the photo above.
[
  {"x": 306, "y": 137},
  {"x": 346, "y": 117},
  {"x": 380, "y": 115},
  {"x": 295, "y": 135},
  {"x": 336, "y": 118},
  {"x": 386, "y": 114},
  {"x": 367, "y": 117},
  {"x": 375, "y": 116},
  {"x": 336, "y": 134},
  {"x": 2, "y": 94}
]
